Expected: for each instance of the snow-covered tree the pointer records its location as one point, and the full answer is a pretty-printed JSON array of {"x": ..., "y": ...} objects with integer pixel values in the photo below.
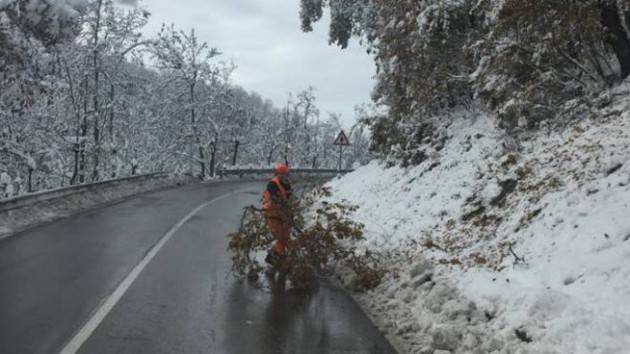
[
  {"x": 187, "y": 60},
  {"x": 522, "y": 59},
  {"x": 539, "y": 54},
  {"x": 80, "y": 102},
  {"x": 28, "y": 32}
]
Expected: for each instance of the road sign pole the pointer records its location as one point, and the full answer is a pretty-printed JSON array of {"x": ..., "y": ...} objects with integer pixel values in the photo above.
[
  {"x": 340, "y": 155},
  {"x": 341, "y": 141}
]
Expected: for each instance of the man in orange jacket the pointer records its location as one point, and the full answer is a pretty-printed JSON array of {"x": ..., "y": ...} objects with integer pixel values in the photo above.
[{"x": 277, "y": 211}]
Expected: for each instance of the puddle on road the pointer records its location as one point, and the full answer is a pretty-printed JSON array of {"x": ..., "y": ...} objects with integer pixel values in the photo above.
[{"x": 279, "y": 319}]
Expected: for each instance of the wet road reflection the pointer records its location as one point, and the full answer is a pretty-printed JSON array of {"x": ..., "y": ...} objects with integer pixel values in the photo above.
[
  {"x": 282, "y": 320},
  {"x": 184, "y": 301}
]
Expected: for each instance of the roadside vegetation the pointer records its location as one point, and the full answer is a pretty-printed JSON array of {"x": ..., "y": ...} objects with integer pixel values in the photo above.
[
  {"x": 86, "y": 96},
  {"x": 501, "y": 184},
  {"x": 324, "y": 240}
]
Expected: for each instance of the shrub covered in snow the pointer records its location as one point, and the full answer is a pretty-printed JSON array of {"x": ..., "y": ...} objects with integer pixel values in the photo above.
[
  {"x": 524, "y": 59},
  {"x": 502, "y": 250}
]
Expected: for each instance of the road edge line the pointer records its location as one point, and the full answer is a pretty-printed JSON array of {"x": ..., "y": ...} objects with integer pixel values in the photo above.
[{"x": 106, "y": 306}]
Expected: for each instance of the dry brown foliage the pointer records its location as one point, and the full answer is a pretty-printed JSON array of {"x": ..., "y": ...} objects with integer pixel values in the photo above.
[{"x": 327, "y": 240}]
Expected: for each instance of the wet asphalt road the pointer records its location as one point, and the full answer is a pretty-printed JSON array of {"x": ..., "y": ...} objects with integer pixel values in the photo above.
[{"x": 54, "y": 277}]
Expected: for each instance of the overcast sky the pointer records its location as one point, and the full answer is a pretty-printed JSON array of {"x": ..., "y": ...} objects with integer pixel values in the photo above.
[{"x": 274, "y": 57}]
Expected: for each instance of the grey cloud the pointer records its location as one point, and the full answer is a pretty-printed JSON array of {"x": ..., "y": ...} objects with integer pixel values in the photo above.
[{"x": 273, "y": 56}]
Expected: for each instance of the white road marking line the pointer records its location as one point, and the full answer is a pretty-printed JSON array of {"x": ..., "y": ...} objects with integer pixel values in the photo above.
[{"x": 88, "y": 328}]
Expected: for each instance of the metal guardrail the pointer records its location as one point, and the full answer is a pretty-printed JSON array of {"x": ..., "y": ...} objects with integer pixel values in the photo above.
[
  {"x": 306, "y": 171},
  {"x": 32, "y": 198},
  {"x": 37, "y": 197}
]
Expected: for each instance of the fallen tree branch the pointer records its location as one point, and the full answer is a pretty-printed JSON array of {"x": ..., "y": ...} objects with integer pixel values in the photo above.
[
  {"x": 254, "y": 208},
  {"x": 328, "y": 240}
]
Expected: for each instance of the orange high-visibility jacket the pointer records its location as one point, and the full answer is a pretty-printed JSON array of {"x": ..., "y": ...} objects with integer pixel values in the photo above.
[{"x": 276, "y": 198}]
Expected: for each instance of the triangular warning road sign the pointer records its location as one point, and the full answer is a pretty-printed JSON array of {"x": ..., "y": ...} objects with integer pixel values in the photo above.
[{"x": 342, "y": 139}]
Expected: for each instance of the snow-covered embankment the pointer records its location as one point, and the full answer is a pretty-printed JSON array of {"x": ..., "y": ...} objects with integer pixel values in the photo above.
[{"x": 499, "y": 251}]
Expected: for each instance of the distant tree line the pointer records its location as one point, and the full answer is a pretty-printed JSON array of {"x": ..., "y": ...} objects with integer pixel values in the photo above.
[
  {"x": 85, "y": 97},
  {"x": 526, "y": 61}
]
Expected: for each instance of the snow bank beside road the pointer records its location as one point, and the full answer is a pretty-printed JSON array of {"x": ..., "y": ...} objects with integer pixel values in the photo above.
[
  {"x": 461, "y": 224},
  {"x": 396, "y": 203}
]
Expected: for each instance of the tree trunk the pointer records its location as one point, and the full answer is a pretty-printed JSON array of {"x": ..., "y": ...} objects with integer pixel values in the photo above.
[
  {"x": 270, "y": 156},
  {"x": 193, "y": 122},
  {"x": 82, "y": 168},
  {"x": 84, "y": 129},
  {"x": 213, "y": 153},
  {"x": 95, "y": 174},
  {"x": 75, "y": 170},
  {"x": 234, "y": 158},
  {"x": 112, "y": 113},
  {"x": 112, "y": 141},
  {"x": 30, "y": 180},
  {"x": 97, "y": 72},
  {"x": 202, "y": 158},
  {"x": 77, "y": 110},
  {"x": 618, "y": 39}
]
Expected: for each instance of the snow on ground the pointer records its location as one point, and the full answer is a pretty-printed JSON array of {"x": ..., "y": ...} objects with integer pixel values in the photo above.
[{"x": 506, "y": 252}]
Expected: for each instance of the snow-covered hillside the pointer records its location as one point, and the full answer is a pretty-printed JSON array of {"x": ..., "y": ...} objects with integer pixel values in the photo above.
[{"x": 505, "y": 251}]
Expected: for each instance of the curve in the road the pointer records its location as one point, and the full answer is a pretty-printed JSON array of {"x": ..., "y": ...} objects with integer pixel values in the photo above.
[
  {"x": 86, "y": 331},
  {"x": 149, "y": 276}
]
